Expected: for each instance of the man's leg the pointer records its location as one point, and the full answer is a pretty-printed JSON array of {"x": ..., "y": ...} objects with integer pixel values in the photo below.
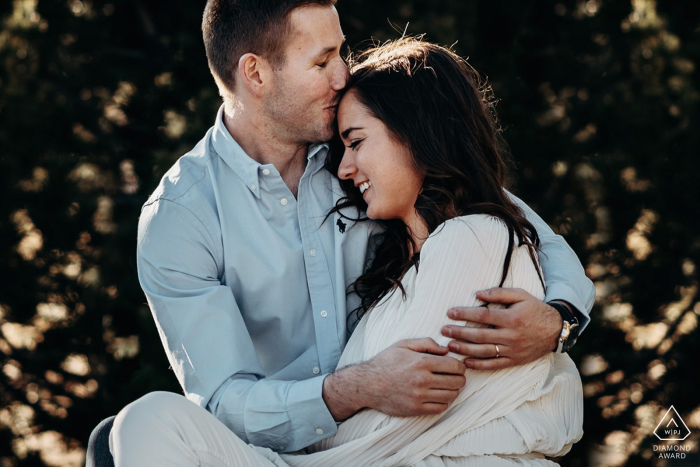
[
  {"x": 98, "y": 454},
  {"x": 165, "y": 429}
]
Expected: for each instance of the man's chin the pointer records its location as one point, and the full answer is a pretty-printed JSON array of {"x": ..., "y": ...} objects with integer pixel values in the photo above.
[{"x": 324, "y": 134}]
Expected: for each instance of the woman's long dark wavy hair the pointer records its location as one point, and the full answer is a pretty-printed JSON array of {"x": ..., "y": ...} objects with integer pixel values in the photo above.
[{"x": 434, "y": 102}]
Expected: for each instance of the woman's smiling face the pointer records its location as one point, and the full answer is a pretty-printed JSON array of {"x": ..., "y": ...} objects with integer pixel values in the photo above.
[{"x": 380, "y": 166}]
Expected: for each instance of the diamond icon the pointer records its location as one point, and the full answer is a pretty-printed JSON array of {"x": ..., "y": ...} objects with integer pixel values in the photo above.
[{"x": 672, "y": 427}]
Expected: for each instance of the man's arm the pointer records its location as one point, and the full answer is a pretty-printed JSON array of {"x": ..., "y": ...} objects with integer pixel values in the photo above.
[
  {"x": 206, "y": 339},
  {"x": 417, "y": 374},
  {"x": 563, "y": 272},
  {"x": 531, "y": 327}
]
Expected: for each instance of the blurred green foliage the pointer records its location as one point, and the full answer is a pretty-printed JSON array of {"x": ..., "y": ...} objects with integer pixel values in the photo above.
[{"x": 599, "y": 101}]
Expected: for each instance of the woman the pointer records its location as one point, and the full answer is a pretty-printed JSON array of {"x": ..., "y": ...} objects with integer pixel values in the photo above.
[{"x": 421, "y": 156}]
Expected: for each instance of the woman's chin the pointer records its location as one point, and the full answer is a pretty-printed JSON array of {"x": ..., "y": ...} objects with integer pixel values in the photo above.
[{"x": 372, "y": 214}]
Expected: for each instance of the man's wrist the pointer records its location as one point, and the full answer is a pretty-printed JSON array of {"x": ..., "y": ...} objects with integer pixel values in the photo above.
[
  {"x": 343, "y": 392},
  {"x": 570, "y": 325}
]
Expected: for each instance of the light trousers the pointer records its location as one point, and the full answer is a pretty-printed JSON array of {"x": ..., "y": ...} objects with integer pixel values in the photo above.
[{"x": 166, "y": 429}]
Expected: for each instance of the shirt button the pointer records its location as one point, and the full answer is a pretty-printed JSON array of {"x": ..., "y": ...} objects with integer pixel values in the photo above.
[
  {"x": 324, "y": 313},
  {"x": 319, "y": 431},
  {"x": 267, "y": 172},
  {"x": 281, "y": 448},
  {"x": 316, "y": 371},
  {"x": 283, "y": 201},
  {"x": 312, "y": 252},
  {"x": 253, "y": 186}
]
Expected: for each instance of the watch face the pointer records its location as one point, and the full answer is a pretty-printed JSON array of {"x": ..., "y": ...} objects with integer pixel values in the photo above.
[
  {"x": 566, "y": 330},
  {"x": 570, "y": 344}
]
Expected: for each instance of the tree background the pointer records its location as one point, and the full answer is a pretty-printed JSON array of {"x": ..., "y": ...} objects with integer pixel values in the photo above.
[{"x": 599, "y": 101}]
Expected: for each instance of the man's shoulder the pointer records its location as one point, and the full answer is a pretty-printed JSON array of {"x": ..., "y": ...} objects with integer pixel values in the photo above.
[{"x": 188, "y": 182}]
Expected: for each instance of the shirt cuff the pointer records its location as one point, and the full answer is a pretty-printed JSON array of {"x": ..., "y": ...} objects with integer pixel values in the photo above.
[
  {"x": 561, "y": 291},
  {"x": 311, "y": 419}
]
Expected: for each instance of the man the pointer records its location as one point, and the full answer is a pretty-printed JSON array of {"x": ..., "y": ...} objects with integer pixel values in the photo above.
[{"x": 246, "y": 282}]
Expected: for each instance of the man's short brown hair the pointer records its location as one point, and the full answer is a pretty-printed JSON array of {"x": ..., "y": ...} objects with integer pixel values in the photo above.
[{"x": 232, "y": 28}]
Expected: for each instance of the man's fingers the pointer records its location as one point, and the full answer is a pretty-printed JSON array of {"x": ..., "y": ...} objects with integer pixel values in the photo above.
[
  {"x": 501, "y": 295},
  {"x": 430, "y": 408},
  {"x": 424, "y": 345},
  {"x": 444, "y": 365},
  {"x": 469, "y": 349},
  {"x": 481, "y": 314},
  {"x": 441, "y": 396},
  {"x": 489, "y": 363},
  {"x": 476, "y": 335},
  {"x": 447, "y": 382}
]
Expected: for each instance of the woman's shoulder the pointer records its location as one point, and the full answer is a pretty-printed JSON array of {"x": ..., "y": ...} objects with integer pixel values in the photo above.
[
  {"x": 476, "y": 224},
  {"x": 466, "y": 231}
]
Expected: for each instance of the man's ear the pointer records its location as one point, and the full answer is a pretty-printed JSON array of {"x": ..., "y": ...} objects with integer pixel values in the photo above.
[{"x": 255, "y": 73}]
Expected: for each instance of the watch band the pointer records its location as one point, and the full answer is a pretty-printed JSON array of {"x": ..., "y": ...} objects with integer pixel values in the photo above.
[{"x": 570, "y": 328}]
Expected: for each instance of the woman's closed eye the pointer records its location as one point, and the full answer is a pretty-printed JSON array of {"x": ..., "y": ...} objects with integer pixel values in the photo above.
[{"x": 354, "y": 144}]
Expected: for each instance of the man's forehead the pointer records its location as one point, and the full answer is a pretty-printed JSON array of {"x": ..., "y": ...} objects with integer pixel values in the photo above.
[{"x": 315, "y": 29}]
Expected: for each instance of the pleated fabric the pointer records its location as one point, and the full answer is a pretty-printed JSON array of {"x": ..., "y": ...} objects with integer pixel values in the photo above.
[{"x": 511, "y": 417}]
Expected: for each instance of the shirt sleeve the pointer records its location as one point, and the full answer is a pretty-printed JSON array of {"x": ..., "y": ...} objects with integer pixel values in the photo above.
[
  {"x": 563, "y": 273},
  {"x": 206, "y": 339}
]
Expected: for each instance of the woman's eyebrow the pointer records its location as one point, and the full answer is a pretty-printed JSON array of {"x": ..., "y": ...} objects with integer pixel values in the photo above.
[{"x": 347, "y": 132}]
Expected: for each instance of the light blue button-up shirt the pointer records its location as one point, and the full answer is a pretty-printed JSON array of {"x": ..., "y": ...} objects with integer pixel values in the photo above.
[{"x": 247, "y": 286}]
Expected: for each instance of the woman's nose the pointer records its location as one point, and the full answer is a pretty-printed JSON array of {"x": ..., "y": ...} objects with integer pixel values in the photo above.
[{"x": 347, "y": 168}]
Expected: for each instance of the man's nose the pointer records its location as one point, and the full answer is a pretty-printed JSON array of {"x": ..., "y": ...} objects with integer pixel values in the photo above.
[
  {"x": 347, "y": 168},
  {"x": 340, "y": 75}
]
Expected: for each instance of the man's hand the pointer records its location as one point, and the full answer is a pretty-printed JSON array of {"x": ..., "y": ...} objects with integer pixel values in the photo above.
[
  {"x": 412, "y": 377},
  {"x": 523, "y": 332}
]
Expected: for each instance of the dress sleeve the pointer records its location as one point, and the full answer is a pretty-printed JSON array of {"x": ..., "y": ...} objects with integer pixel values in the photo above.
[
  {"x": 207, "y": 341},
  {"x": 463, "y": 256}
]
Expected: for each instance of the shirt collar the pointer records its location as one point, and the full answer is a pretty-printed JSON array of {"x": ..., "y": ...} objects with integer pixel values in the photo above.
[{"x": 245, "y": 166}]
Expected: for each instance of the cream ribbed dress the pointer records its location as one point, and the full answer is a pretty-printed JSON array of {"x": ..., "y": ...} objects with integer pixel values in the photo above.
[{"x": 507, "y": 417}]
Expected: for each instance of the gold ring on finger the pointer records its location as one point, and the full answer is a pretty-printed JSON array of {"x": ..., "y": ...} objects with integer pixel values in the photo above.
[{"x": 498, "y": 351}]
